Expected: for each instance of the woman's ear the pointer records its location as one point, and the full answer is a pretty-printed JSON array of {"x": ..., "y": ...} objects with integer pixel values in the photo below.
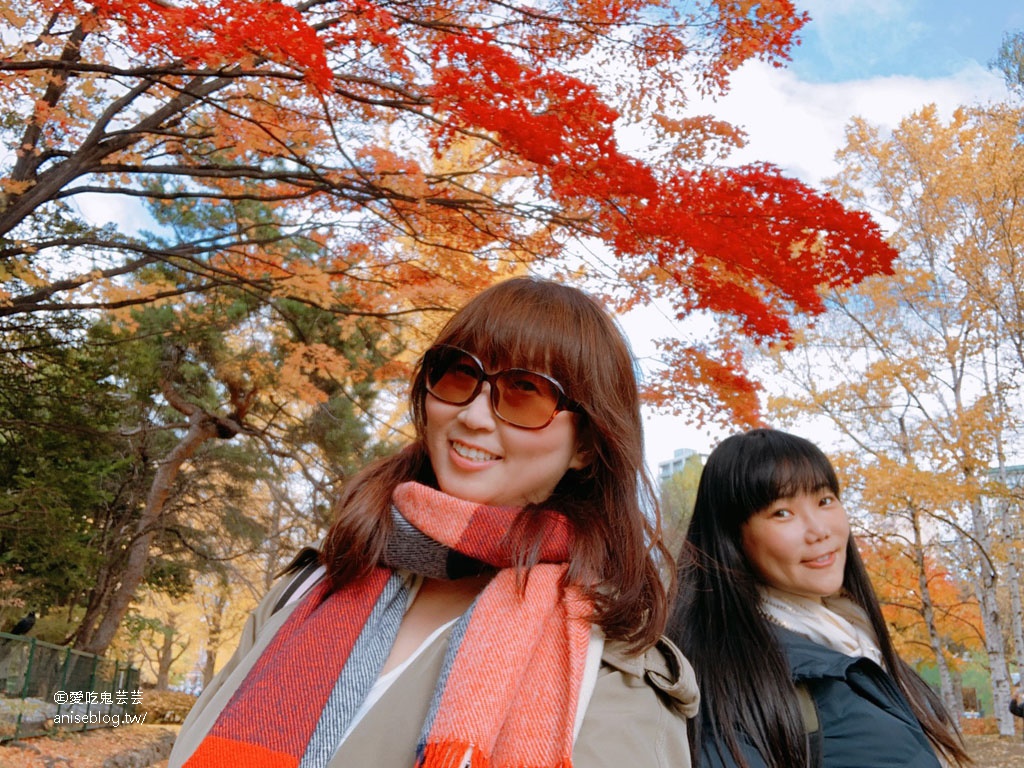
[
  {"x": 581, "y": 459},
  {"x": 584, "y": 455}
]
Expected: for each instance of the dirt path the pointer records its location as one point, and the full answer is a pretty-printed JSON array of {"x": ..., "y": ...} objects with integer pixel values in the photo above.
[
  {"x": 996, "y": 752},
  {"x": 146, "y": 746}
]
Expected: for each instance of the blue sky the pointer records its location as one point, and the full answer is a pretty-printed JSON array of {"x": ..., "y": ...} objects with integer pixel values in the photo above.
[{"x": 859, "y": 39}]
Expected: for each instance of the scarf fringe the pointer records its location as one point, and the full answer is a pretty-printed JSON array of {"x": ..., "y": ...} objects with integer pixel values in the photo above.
[
  {"x": 450, "y": 754},
  {"x": 462, "y": 754}
]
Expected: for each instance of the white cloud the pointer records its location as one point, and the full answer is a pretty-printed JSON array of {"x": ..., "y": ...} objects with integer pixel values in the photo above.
[
  {"x": 799, "y": 125},
  {"x": 128, "y": 214}
]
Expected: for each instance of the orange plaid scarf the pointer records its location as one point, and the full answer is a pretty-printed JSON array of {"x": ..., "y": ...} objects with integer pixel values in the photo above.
[{"x": 508, "y": 690}]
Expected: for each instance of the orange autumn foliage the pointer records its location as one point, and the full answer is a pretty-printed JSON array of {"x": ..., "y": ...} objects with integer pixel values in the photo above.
[
  {"x": 426, "y": 149},
  {"x": 896, "y": 580}
]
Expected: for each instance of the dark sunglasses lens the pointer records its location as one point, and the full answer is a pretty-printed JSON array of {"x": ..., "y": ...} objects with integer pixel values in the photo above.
[
  {"x": 525, "y": 399},
  {"x": 452, "y": 376}
]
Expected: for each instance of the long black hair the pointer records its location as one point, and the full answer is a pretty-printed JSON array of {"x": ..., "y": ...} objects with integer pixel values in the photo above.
[{"x": 745, "y": 683}]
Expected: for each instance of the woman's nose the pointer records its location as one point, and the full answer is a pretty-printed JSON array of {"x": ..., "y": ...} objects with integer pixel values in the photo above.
[
  {"x": 817, "y": 527},
  {"x": 477, "y": 413}
]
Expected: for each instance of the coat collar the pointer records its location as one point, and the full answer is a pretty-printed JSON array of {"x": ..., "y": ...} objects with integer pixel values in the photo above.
[{"x": 810, "y": 660}]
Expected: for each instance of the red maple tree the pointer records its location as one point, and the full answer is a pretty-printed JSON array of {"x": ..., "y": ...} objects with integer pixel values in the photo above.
[{"x": 423, "y": 149}]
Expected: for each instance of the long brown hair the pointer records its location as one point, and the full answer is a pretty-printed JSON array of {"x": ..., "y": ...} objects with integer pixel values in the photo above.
[{"x": 560, "y": 330}]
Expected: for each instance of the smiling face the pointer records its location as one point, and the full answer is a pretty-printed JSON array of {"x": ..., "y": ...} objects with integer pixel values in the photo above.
[
  {"x": 477, "y": 457},
  {"x": 798, "y": 543}
]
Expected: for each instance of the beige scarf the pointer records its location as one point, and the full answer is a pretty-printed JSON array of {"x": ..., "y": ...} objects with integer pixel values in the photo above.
[{"x": 835, "y": 622}]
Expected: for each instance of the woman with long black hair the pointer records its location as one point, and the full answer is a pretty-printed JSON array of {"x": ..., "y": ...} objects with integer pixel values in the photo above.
[{"x": 778, "y": 616}]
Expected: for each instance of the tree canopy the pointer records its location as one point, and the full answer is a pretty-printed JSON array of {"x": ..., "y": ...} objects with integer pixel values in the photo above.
[
  {"x": 923, "y": 370},
  {"x": 415, "y": 150},
  {"x": 304, "y": 189}
]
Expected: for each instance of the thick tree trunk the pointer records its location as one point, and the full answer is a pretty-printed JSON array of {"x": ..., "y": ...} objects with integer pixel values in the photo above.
[
  {"x": 119, "y": 522},
  {"x": 95, "y": 607},
  {"x": 202, "y": 427}
]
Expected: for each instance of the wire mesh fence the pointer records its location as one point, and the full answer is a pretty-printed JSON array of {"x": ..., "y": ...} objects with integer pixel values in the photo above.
[{"x": 44, "y": 687}]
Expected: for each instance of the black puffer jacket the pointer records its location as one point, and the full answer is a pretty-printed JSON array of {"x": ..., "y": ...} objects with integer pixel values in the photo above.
[
  {"x": 1017, "y": 702},
  {"x": 865, "y": 720}
]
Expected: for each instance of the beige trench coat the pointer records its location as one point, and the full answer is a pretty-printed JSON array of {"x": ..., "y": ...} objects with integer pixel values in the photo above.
[{"x": 635, "y": 717}]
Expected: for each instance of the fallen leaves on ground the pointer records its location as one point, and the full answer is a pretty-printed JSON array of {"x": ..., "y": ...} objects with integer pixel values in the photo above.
[
  {"x": 996, "y": 751},
  {"x": 91, "y": 749}
]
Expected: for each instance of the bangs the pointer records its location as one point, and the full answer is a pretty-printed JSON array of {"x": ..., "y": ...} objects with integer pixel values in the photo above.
[
  {"x": 542, "y": 330},
  {"x": 800, "y": 476},
  {"x": 765, "y": 465}
]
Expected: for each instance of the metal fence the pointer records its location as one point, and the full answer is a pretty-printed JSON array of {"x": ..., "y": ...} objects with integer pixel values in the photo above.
[{"x": 45, "y": 687}]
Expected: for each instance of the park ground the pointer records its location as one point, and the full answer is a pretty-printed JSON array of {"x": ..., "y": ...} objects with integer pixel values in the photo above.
[{"x": 146, "y": 746}]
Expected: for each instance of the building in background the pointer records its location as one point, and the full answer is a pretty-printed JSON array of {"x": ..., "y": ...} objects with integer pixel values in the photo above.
[
  {"x": 677, "y": 490},
  {"x": 668, "y": 468}
]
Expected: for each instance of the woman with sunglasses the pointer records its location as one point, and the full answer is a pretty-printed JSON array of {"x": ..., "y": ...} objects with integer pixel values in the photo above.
[
  {"x": 488, "y": 596},
  {"x": 779, "y": 617}
]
